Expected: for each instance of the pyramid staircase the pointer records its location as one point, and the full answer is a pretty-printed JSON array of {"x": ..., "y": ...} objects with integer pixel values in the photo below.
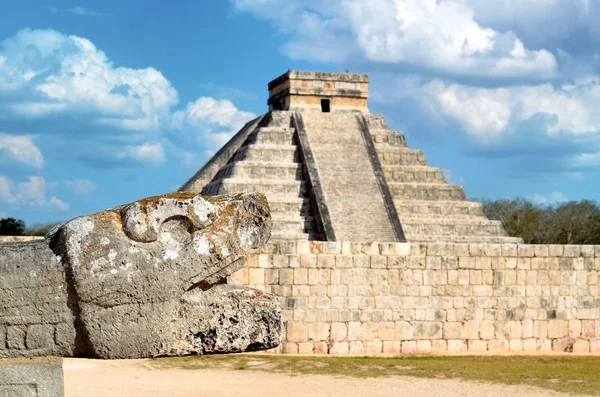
[
  {"x": 429, "y": 208},
  {"x": 269, "y": 161}
]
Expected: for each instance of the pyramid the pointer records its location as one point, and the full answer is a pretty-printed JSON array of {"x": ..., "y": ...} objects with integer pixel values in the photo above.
[{"x": 332, "y": 171}]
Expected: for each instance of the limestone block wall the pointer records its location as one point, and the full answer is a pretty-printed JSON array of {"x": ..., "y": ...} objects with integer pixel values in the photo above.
[{"x": 402, "y": 298}]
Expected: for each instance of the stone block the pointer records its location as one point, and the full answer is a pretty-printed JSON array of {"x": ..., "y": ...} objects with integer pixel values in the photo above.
[
  {"x": 471, "y": 329},
  {"x": 318, "y": 331},
  {"x": 303, "y": 247},
  {"x": 581, "y": 346},
  {"x": 427, "y": 330},
  {"x": 15, "y": 337},
  {"x": 515, "y": 345},
  {"x": 595, "y": 346},
  {"x": 497, "y": 345},
  {"x": 529, "y": 345},
  {"x": 39, "y": 377},
  {"x": 487, "y": 329},
  {"x": 456, "y": 346},
  {"x": 373, "y": 346},
  {"x": 339, "y": 332},
  {"x": 404, "y": 330},
  {"x": 308, "y": 261},
  {"x": 339, "y": 348},
  {"x": 453, "y": 330},
  {"x": 409, "y": 347},
  {"x": 391, "y": 347},
  {"x": 423, "y": 347},
  {"x": 357, "y": 347},
  {"x": 296, "y": 332},
  {"x": 290, "y": 348},
  {"x": 558, "y": 328},
  {"x": 257, "y": 276},
  {"x": 320, "y": 348},
  {"x": 540, "y": 250},
  {"x": 476, "y": 345},
  {"x": 386, "y": 331},
  {"x": 544, "y": 345},
  {"x": 300, "y": 276},
  {"x": 563, "y": 345},
  {"x": 40, "y": 336},
  {"x": 305, "y": 348}
]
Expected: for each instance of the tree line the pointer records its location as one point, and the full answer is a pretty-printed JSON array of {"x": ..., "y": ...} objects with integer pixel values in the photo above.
[
  {"x": 16, "y": 227},
  {"x": 572, "y": 222}
]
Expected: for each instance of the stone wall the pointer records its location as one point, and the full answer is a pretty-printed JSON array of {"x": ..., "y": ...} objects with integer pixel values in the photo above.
[{"x": 402, "y": 298}]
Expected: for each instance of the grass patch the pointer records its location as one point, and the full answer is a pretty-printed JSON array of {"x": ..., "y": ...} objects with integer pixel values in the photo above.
[{"x": 578, "y": 375}]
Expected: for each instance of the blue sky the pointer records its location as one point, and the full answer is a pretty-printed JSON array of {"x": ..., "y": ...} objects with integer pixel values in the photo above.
[{"x": 102, "y": 103}]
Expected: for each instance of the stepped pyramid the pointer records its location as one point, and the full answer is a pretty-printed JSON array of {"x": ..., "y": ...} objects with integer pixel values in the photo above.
[{"x": 332, "y": 171}]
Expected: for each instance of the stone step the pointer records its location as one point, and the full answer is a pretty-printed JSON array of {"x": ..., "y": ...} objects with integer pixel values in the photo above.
[
  {"x": 413, "y": 173},
  {"x": 463, "y": 239},
  {"x": 291, "y": 226},
  {"x": 261, "y": 170},
  {"x": 400, "y": 156},
  {"x": 284, "y": 235},
  {"x": 426, "y": 191},
  {"x": 444, "y": 208},
  {"x": 386, "y": 138},
  {"x": 286, "y": 217},
  {"x": 452, "y": 227},
  {"x": 268, "y": 152},
  {"x": 272, "y": 135},
  {"x": 279, "y": 203},
  {"x": 265, "y": 186}
]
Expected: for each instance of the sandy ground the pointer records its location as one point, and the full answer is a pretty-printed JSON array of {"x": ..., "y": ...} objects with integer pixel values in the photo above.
[{"x": 136, "y": 378}]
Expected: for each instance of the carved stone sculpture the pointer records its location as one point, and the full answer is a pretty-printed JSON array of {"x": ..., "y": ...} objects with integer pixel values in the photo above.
[{"x": 141, "y": 280}]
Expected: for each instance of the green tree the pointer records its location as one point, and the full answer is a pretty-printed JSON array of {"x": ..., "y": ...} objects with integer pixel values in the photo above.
[
  {"x": 11, "y": 227},
  {"x": 573, "y": 222}
]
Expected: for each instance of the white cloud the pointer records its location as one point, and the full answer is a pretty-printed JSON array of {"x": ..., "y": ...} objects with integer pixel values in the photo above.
[
  {"x": 20, "y": 149},
  {"x": 98, "y": 113},
  {"x": 81, "y": 187},
  {"x": 210, "y": 122},
  {"x": 147, "y": 154},
  {"x": 550, "y": 199},
  {"x": 441, "y": 36},
  {"x": 31, "y": 192},
  {"x": 488, "y": 114}
]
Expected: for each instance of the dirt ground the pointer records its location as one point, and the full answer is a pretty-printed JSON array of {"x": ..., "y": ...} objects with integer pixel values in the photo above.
[{"x": 137, "y": 378}]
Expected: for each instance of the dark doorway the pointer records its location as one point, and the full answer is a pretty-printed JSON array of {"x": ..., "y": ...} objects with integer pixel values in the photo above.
[{"x": 325, "y": 105}]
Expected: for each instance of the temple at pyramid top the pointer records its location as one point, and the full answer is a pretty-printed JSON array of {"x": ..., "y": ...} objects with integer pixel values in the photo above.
[
  {"x": 328, "y": 92},
  {"x": 332, "y": 171}
]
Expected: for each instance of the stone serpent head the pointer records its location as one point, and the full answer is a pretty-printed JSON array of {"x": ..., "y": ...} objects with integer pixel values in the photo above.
[{"x": 149, "y": 276}]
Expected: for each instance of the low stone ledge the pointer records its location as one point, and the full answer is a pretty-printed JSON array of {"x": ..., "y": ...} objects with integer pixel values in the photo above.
[{"x": 31, "y": 377}]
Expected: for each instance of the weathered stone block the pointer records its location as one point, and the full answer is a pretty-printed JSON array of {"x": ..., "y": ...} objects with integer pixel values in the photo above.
[
  {"x": 581, "y": 346},
  {"x": 373, "y": 346},
  {"x": 339, "y": 332},
  {"x": 357, "y": 347},
  {"x": 558, "y": 328},
  {"x": 290, "y": 348},
  {"x": 427, "y": 330},
  {"x": 391, "y": 347},
  {"x": 305, "y": 348},
  {"x": 15, "y": 337},
  {"x": 339, "y": 348},
  {"x": 39, "y": 336},
  {"x": 40, "y": 377},
  {"x": 476, "y": 345},
  {"x": 498, "y": 345},
  {"x": 453, "y": 330},
  {"x": 296, "y": 332},
  {"x": 318, "y": 331},
  {"x": 409, "y": 347}
]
